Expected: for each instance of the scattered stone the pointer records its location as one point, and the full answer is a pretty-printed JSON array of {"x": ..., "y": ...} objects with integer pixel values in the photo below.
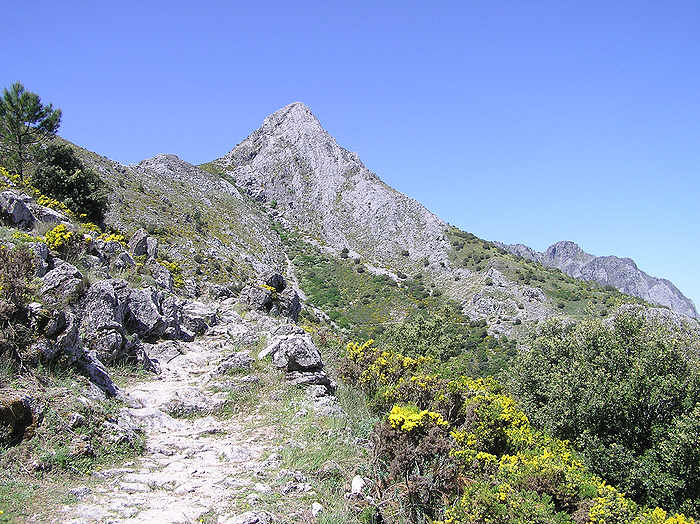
[
  {"x": 357, "y": 485},
  {"x": 13, "y": 207},
  {"x": 80, "y": 493},
  {"x": 124, "y": 261},
  {"x": 198, "y": 317},
  {"x": 162, "y": 276},
  {"x": 329, "y": 470},
  {"x": 41, "y": 257},
  {"x": 139, "y": 243},
  {"x": 239, "y": 361},
  {"x": 76, "y": 420},
  {"x": 256, "y": 297},
  {"x": 251, "y": 517},
  {"x": 316, "y": 509},
  {"x": 312, "y": 378},
  {"x": 295, "y": 352},
  {"x": 152, "y": 247}
]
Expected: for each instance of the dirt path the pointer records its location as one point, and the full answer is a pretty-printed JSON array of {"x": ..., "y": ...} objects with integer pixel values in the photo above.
[{"x": 195, "y": 464}]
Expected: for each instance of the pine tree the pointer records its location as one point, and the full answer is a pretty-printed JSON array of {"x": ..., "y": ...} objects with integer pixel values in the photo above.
[{"x": 24, "y": 122}]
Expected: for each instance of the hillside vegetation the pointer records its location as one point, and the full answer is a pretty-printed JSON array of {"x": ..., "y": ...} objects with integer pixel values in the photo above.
[{"x": 279, "y": 336}]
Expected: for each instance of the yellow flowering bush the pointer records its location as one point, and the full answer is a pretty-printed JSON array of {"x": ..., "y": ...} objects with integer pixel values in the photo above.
[
  {"x": 465, "y": 452},
  {"x": 26, "y": 237},
  {"x": 175, "y": 271},
  {"x": 54, "y": 204},
  {"x": 409, "y": 418},
  {"x": 60, "y": 238}
]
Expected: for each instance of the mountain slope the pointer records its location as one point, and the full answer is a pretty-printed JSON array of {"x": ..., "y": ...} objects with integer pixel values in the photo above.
[
  {"x": 202, "y": 221},
  {"x": 316, "y": 188},
  {"x": 621, "y": 273},
  {"x": 326, "y": 191}
]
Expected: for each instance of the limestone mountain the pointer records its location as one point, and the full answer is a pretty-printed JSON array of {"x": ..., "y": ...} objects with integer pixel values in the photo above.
[
  {"x": 326, "y": 191},
  {"x": 312, "y": 185},
  {"x": 621, "y": 273}
]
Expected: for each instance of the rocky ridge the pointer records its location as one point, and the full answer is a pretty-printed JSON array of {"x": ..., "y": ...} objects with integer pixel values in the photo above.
[{"x": 621, "y": 273}]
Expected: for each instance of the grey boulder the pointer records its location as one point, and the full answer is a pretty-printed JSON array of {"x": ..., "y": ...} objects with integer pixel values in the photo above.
[
  {"x": 14, "y": 207},
  {"x": 62, "y": 282},
  {"x": 294, "y": 352},
  {"x": 103, "y": 321},
  {"x": 139, "y": 243},
  {"x": 198, "y": 317}
]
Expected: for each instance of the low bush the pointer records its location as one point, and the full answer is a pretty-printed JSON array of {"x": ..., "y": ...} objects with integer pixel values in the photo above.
[
  {"x": 62, "y": 176},
  {"x": 462, "y": 450}
]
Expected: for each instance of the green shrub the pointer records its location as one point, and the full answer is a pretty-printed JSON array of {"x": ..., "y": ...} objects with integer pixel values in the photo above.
[
  {"x": 16, "y": 291},
  {"x": 626, "y": 395},
  {"x": 61, "y": 175}
]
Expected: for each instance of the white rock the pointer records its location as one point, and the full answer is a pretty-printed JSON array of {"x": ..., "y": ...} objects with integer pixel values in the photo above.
[
  {"x": 357, "y": 485},
  {"x": 316, "y": 508}
]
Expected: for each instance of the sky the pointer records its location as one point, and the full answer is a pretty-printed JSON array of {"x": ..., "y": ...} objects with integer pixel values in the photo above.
[{"x": 527, "y": 122}]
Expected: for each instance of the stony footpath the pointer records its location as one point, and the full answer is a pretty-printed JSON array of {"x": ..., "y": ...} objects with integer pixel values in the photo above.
[{"x": 205, "y": 462}]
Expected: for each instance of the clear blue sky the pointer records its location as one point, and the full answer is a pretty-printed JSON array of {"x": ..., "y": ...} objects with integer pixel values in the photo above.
[{"x": 519, "y": 121}]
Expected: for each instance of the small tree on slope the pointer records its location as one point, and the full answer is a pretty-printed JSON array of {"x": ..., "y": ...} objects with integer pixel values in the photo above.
[{"x": 24, "y": 121}]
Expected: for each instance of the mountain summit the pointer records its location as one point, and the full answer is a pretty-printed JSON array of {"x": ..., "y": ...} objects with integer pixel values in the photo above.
[
  {"x": 327, "y": 191},
  {"x": 315, "y": 186}
]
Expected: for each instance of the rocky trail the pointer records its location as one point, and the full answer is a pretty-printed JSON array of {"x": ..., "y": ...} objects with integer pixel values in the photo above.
[{"x": 204, "y": 460}]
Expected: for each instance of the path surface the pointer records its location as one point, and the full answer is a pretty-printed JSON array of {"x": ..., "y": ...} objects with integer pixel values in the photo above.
[{"x": 195, "y": 465}]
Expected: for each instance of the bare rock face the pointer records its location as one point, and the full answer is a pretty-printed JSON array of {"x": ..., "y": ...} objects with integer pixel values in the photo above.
[
  {"x": 287, "y": 304},
  {"x": 621, "y": 273},
  {"x": 198, "y": 317},
  {"x": 272, "y": 296},
  {"x": 163, "y": 277},
  {"x": 102, "y": 322},
  {"x": 41, "y": 257},
  {"x": 14, "y": 208},
  {"x": 139, "y": 243},
  {"x": 141, "y": 314},
  {"x": 326, "y": 191},
  {"x": 257, "y": 297},
  {"x": 62, "y": 282},
  {"x": 69, "y": 343}
]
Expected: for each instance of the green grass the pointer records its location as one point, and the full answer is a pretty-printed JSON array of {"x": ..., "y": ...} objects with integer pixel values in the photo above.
[{"x": 358, "y": 301}]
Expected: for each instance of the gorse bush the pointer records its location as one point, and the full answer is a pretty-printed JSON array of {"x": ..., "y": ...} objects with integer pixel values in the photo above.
[
  {"x": 626, "y": 395},
  {"x": 61, "y": 175},
  {"x": 462, "y": 450},
  {"x": 455, "y": 344}
]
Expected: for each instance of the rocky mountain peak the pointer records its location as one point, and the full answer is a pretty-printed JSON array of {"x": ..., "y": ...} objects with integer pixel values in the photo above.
[
  {"x": 327, "y": 192},
  {"x": 294, "y": 122}
]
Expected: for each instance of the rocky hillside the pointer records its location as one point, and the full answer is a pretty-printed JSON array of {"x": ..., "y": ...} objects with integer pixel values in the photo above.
[
  {"x": 315, "y": 188},
  {"x": 197, "y": 355},
  {"x": 621, "y": 273},
  {"x": 200, "y": 219},
  {"x": 315, "y": 185}
]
